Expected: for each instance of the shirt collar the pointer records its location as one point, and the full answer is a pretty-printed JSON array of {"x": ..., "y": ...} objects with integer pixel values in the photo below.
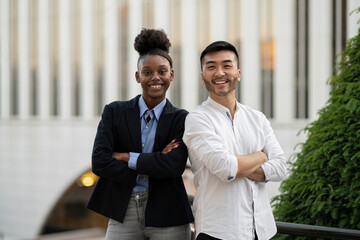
[
  {"x": 221, "y": 108},
  {"x": 157, "y": 110}
]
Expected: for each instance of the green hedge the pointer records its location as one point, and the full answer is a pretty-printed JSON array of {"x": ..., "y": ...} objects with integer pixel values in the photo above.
[{"x": 323, "y": 187}]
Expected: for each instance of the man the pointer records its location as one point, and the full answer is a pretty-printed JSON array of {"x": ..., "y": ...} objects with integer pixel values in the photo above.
[{"x": 233, "y": 152}]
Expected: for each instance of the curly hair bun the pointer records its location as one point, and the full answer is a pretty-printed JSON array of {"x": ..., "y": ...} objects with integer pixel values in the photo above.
[{"x": 149, "y": 39}]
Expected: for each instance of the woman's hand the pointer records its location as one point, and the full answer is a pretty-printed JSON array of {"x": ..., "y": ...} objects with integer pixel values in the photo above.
[
  {"x": 170, "y": 147},
  {"x": 121, "y": 156}
]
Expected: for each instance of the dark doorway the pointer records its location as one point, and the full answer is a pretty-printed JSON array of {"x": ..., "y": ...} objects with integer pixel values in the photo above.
[{"x": 70, "y": 212}]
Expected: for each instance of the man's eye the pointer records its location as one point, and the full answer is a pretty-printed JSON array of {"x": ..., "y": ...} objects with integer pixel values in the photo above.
[
  {"x": 227, "y": 66},
  {"x": 146, "y": 73},
  {"x": 211, "y": 67},
  {"x": 162, "y": 72}
]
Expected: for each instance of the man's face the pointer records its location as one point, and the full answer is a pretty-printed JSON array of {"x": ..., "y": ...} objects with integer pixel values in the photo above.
[{"x": 220, "y": 73}]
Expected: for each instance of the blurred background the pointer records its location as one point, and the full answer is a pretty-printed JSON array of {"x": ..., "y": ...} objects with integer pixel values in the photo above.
[{"x": 63, "y": 60}]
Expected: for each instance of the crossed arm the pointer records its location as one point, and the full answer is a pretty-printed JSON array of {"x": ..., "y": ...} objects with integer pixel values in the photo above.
[
  {"x": 125, "y": 156},
  {"x": 250, "y": 166}
]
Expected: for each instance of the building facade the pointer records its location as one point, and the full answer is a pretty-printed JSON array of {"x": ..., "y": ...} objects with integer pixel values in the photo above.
[{"x": 63, "y": 60}]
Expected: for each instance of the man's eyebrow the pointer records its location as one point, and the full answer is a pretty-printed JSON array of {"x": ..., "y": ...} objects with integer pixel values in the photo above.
[
  {"x": 228, "y": 60},
  {"x": 209, "y": 62},
  {"x": 225, "y": 61}
]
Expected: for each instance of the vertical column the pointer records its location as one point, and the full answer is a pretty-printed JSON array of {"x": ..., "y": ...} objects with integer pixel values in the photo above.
[
  {"x": 189, "y": 56},
  {"x": 339, "y": 31},
  {"x": 218, "y": 20},
  {"x": 134, "y": 28},
  {"x": 5, "y": 94},
  {"x": 302, "y": 59},
  {"x": 352, "y": 25},
  {"x": 87, "y": 78},
  {"x": 284, "y": 71},
  {"x": 162, "y": 15},
  {"x": 250, "y": 54},
  {"x": 65, "y": 98},
  {"x": 320, "y": 56},
  {"x": 44, "y": 90},
  {"x": 111, "y": 81},
  {"x": 162, "y": 21},
  {"x": 23, "y": 59}
]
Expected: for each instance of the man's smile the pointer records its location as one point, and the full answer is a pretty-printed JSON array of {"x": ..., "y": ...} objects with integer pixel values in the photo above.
[{"x": 219, "y": 81}]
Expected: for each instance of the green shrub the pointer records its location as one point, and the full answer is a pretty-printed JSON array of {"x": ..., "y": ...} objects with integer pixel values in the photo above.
[{"x": 323, "y": 187}]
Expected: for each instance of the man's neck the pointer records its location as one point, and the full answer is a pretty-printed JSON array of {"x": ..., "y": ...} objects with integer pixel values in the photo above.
[{"x": 227, "y": 101}]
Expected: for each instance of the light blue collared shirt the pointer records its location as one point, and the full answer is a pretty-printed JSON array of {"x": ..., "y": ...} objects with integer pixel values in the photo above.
[{"x": 148, "y": 130}]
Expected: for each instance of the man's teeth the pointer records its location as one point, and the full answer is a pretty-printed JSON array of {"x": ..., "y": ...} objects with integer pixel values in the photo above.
[
  {"x": 155, "y": 86},
  {"x": 220, "y": 82}
]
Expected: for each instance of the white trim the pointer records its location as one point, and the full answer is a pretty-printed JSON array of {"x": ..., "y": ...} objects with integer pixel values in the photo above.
[
  {"x": 284, "y": 69},
  {"x": 190, "y": 76},
  {"x": 250, "y": 55},
  {"x": 320, "y": 54},
  {"x": 24, "y": 85},
  {"x": 65, "y": 97},
  {"x": 87, "y": 78},
  {"x": 111, "y": 49},
  {"x": 44, "y": 100},
  {"x": 5, "y": 86},
  {"x": 134, "y": 27}
]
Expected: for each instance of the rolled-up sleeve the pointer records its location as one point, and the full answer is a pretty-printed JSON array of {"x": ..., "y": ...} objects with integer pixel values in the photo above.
[
  {"x": 275, "y": 167},
  {"x": 206, "y": 148}
]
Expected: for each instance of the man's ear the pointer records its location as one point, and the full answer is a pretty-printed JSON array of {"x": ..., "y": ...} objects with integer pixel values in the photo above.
[
  {"x": 202, "y": 78},
  {"x": 238, "y": 75}
]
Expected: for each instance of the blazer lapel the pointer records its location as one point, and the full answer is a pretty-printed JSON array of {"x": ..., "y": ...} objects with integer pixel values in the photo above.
[
  {"x": 133, "y": 123},
  {"x": 164, "y": 126}
]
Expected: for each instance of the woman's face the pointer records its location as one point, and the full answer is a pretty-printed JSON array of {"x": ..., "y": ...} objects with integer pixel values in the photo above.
[{"x": 154, "y": 75}]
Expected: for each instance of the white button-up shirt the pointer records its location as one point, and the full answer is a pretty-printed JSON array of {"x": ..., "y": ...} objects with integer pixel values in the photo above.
[{"x": 227, "y": 207}]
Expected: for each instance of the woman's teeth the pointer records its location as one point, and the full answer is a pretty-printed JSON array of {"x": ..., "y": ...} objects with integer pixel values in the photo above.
[{"x": 155, "y": 86}]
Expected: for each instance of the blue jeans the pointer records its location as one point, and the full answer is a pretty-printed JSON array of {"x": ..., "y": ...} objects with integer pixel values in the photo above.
[{"x": 133, "y": 227}]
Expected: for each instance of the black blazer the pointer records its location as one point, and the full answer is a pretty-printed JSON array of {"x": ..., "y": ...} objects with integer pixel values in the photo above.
[{"x": 120, "y": 131}]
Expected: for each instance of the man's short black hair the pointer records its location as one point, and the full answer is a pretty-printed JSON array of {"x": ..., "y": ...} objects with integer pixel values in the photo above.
[{"x": 219, "y": 46}]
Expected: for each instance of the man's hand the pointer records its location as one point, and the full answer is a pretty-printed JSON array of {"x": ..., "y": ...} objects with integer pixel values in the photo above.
[
  {"x": 258, "y": 175},
  {"x": 249, "y": 164},
  {"x": 170, "y": 147}
]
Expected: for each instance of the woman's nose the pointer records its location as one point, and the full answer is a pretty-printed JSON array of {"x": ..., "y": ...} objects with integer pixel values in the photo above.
[{"x": 155, "y": 76}]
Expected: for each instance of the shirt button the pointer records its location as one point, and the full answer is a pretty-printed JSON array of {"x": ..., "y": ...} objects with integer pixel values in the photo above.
[
  {"x": 146, "y": 127},
  {"x": 143, "y": 145}
]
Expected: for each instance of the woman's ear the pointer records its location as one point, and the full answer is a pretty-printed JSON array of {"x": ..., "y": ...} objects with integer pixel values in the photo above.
[
  {"x": 171, "y": 75},
  {"x": 137, "y": 76}
]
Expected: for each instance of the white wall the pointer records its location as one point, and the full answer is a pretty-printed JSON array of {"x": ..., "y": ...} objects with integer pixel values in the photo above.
[{"x": 39, "y": 160}]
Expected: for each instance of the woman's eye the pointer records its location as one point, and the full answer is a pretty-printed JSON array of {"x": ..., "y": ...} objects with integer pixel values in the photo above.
[
  {"x": 162, "y": 72},
  {"x": 146, "y": 73}
]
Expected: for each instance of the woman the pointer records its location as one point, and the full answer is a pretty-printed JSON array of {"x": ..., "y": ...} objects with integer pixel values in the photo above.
[{"x": 139, "y": 155}]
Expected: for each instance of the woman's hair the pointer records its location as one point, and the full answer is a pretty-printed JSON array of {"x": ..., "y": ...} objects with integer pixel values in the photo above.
[{"x": 153, "y": 42}]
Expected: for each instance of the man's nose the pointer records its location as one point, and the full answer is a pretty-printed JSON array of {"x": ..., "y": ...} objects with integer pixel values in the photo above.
[{"x": 219, "y": 72}]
